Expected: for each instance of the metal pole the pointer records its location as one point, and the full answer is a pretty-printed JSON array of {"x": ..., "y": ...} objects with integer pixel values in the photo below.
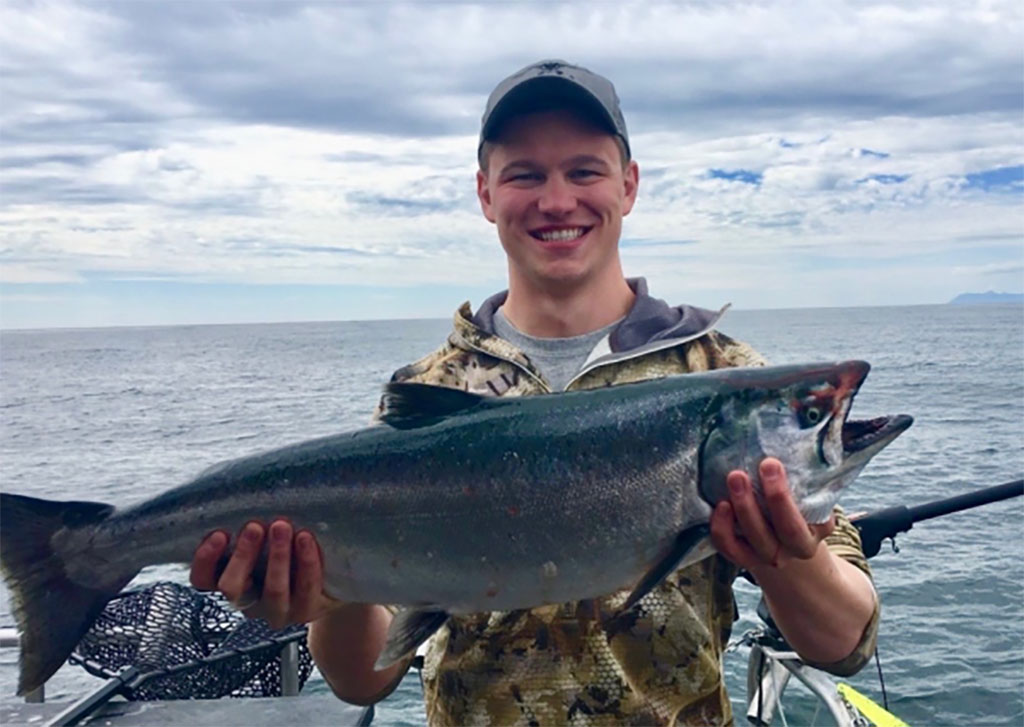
[
  {"x": 824, "y": 688},
  {"x": 9, "y": 638},
  {"x": 766, "y": 680},
  {"x": 290, "y": 669},
  {"x": 89, "y": 704}
]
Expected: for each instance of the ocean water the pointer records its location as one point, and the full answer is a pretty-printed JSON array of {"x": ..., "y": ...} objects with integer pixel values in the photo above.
[{"x": 118, "y": 415}]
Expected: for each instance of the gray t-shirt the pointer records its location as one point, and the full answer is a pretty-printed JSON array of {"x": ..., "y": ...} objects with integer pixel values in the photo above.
[{"x": 559, "y": 359}]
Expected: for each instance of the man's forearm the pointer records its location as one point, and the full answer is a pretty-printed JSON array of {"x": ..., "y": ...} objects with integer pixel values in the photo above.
[
  {"x": 345, "y": 644},
  {"x": 821, "y": 605}
]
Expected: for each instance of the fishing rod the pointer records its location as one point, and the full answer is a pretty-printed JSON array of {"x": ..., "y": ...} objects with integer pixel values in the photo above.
[{"x": 885, "y": 524}]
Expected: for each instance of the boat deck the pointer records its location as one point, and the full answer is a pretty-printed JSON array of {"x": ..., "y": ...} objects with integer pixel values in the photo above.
[{"x": 310, "y": 709}]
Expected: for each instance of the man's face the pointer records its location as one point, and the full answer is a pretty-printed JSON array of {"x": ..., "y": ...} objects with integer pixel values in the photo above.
[{"x": 556, "y": 188}]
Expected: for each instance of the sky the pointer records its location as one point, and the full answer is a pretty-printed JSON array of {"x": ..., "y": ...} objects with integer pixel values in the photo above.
[{"x": 214, "y": 162}]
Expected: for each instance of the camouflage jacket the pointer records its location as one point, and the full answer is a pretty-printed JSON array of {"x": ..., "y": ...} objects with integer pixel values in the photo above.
[{"x": 562, "y": 664}]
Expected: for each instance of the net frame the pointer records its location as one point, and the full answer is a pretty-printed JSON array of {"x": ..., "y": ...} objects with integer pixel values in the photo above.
[{"x": 187, "y": 644}]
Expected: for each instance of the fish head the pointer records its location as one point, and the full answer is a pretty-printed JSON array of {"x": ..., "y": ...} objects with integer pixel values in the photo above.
[{"x": 799, "y": 415}]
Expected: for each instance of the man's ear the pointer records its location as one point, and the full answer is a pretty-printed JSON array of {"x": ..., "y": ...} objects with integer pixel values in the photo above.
[
  {"x": 631, "y": 180},
  {"x": 483, "y": 193}
]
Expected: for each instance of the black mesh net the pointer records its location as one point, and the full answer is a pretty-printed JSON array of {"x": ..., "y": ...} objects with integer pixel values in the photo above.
[{"x": 188, "y": 645}]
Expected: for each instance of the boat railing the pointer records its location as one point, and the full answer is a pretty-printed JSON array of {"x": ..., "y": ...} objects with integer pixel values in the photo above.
[{"x": 770, "y": 668}]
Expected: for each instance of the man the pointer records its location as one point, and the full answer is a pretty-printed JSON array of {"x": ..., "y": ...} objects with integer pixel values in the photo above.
[{"x": 556, "y": 178}]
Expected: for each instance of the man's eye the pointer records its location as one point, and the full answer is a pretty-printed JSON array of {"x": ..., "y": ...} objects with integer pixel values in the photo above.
[
  {"x": 584, "y": 173},
  {"x": 524, "y": 177}
]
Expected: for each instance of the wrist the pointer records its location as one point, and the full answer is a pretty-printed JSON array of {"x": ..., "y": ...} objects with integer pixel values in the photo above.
[{"x": 822, "y": 605}]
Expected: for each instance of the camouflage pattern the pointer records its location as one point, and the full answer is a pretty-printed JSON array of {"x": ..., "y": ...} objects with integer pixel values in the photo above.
[{"x": 571, "y": 664}]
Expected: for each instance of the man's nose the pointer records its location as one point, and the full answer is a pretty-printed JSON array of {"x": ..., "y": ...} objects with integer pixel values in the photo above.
[{"x": 557, "y": 197}]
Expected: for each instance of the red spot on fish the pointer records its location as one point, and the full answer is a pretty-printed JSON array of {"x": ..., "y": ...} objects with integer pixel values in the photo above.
[
  {"x": 491, "y": 591},
  {"x": 468, "y": 491},
  {"x": 513, "y": 510}
]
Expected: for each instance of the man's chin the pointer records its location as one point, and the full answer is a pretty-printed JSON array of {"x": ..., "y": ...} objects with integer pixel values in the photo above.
[{"x": 561, "y": 277}]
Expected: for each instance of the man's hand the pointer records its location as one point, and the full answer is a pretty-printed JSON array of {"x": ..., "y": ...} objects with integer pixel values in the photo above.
[
  {"x": 344, "y": 638},
  {"x": 820, "y": 602},
  {"x": 755, "y": 540},
  {"x": 293, "y": 584}
]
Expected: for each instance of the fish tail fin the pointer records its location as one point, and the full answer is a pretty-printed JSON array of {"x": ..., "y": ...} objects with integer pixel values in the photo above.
[{"x": 52, "y": 610}]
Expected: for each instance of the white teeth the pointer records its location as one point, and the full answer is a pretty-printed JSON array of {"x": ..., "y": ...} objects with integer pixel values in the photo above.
[{"x": 560, "y": 235}]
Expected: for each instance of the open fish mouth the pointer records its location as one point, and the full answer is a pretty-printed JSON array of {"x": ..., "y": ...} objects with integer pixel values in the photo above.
[{"x": 873, "y": 433}]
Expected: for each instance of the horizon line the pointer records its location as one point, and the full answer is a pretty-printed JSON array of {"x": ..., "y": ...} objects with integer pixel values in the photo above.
[{"x": 185, "y": 324}]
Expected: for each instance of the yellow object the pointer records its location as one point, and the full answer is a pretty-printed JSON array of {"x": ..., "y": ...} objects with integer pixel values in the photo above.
[{"x": 878, "y": 716}]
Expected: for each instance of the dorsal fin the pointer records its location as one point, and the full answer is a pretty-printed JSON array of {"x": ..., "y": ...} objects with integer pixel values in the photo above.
[{"x": 409, "y": 405}]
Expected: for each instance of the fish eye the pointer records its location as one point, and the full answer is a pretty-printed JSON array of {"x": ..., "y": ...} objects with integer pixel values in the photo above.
[{"x": 811, "y": 416}]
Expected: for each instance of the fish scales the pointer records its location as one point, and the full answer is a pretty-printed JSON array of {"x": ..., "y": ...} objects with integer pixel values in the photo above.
[{"x": 399, "y": 512}]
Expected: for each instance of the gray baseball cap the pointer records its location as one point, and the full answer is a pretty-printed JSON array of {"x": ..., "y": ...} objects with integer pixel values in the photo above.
[{"x": 553, "y": 84}]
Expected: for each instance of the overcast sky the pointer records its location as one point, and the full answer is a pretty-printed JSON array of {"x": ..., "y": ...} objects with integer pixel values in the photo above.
[{"x": 191, "y": 162}]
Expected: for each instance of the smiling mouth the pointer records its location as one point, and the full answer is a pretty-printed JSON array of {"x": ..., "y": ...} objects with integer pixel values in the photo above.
[{"x": 563, "y": 234}]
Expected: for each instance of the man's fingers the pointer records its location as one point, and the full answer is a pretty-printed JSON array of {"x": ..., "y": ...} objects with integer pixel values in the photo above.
[
  {"x": 727, "y": 541},
  {"x": 236, "y": 579},
  {"x": 789, "y": 525},
  {"x": 752, "y": 524},
  {"x": 276, "y": 599},
  {"x": 309, "y": 580},
  {"x": 772, "y": 535},
  {"x": 205, "y": 560}
]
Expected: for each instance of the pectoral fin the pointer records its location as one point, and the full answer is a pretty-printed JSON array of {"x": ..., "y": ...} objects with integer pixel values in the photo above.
[
  {"x": 408, "y": 630},
  {"x": 691, "y": 541}
]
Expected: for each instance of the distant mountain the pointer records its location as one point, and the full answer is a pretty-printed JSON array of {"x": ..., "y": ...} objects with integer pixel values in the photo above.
[{"x": 989, "y": 297}]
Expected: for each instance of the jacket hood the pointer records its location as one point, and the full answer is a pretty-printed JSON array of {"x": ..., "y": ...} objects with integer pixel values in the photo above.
[{"x": 649, "y": 321}]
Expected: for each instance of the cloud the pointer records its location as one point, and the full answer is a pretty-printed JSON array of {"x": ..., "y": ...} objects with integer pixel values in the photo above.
[
  {"x": 401, "y": 69},
  {"x": 885, "y": 178},
  {"x": 330, "y": 143},
  {"x": 22, "y": 273},
  {"x": 648, "y": 244},
  {"x": 60, "y": 160},
  {"x": 356, "y": 156},
  {"x": 1001, "y": 268}
]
